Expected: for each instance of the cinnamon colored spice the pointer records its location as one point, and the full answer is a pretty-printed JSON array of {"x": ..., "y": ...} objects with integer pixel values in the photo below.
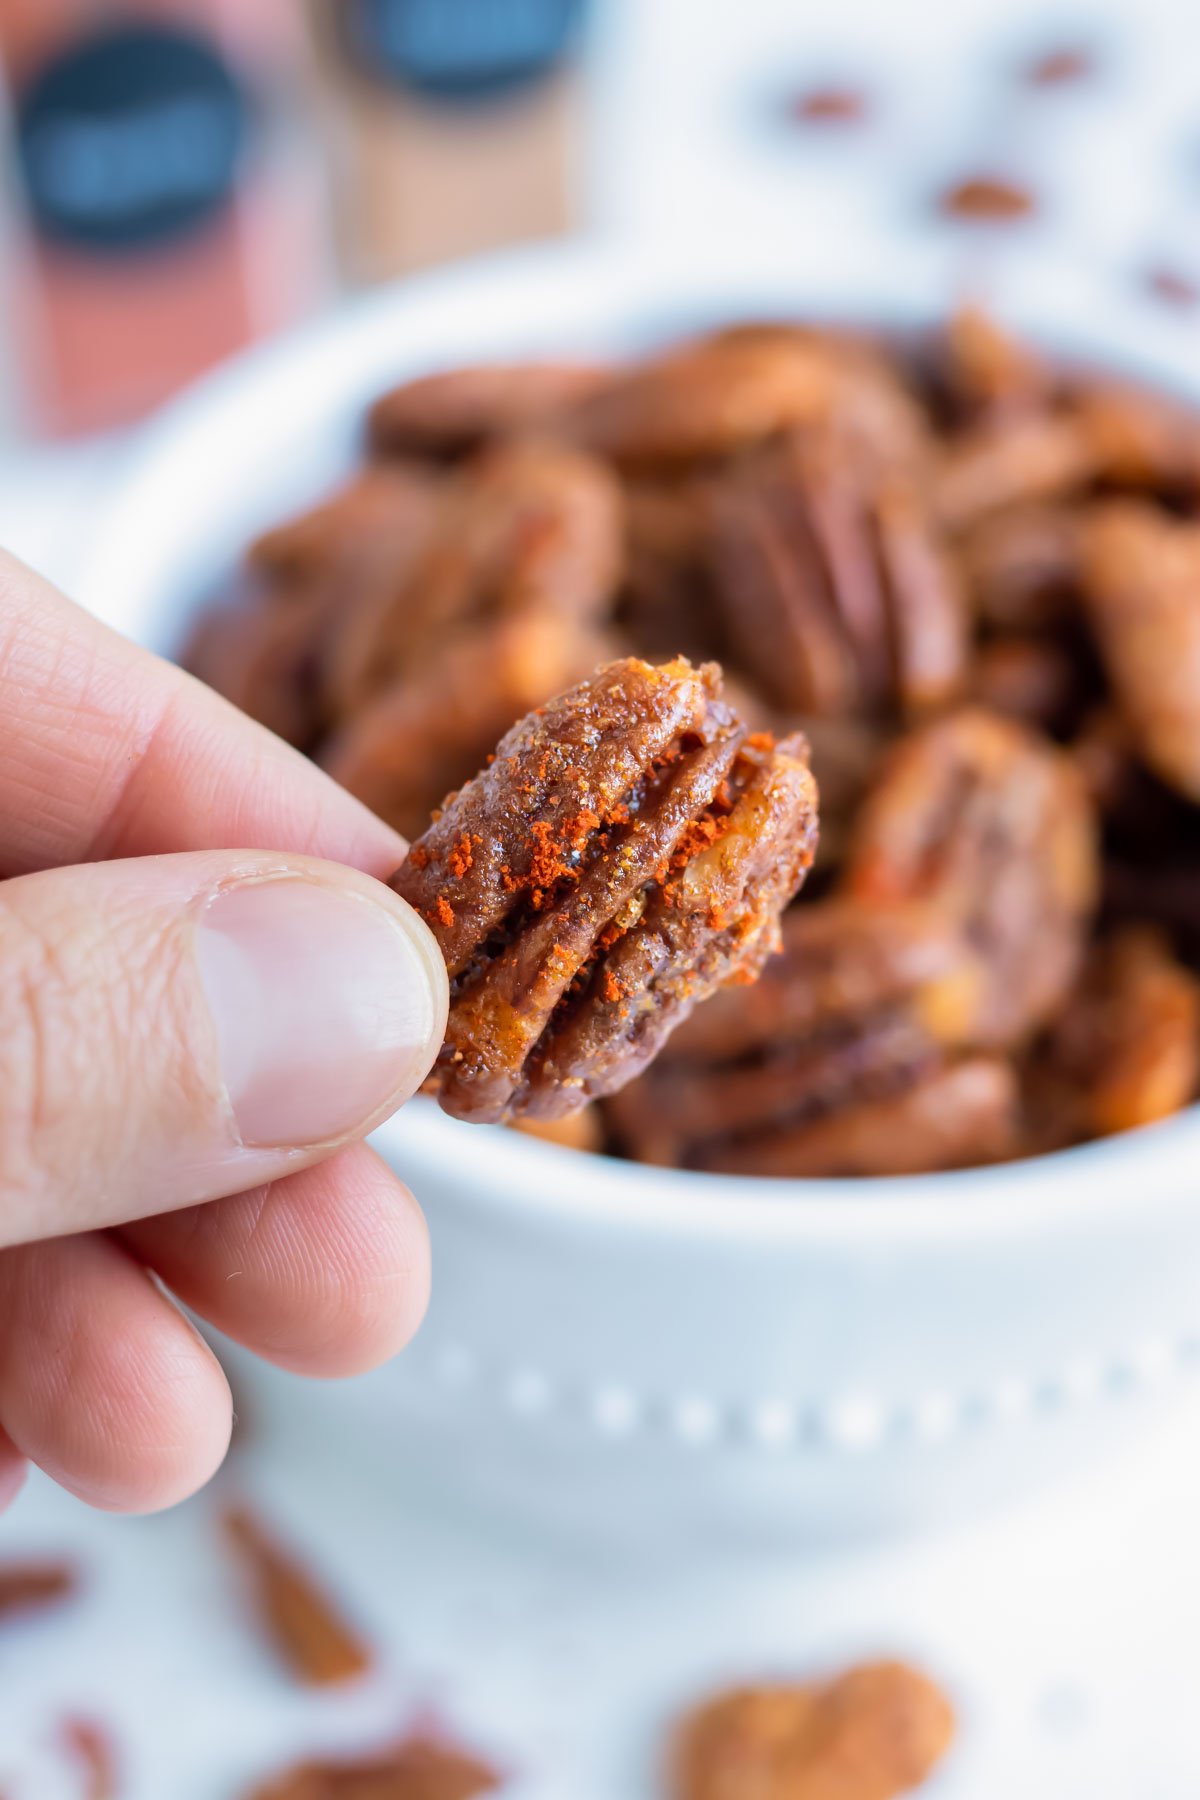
[
  {"x": 419, "y": 1768},
  {"x": 92, "y": 1746},
  {"x": 308, "y": 1630},
  {"x": 29, "y": 1586},
  {"x": 990, "y": 197}
]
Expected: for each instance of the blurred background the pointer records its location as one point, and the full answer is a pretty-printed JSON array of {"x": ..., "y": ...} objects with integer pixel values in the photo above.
[{"x": 182, "y": 178}]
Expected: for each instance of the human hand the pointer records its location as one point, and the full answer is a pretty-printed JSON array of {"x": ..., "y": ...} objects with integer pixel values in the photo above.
[{"x": 193, "y": 1040}]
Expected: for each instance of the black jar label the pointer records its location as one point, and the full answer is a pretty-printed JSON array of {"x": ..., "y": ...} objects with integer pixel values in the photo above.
[{"x": 131, "y": 137}]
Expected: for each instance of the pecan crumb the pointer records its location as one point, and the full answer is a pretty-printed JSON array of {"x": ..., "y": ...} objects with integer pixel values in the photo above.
[
  {"x": 830, "y": 106},
  {"x": 91, "y": 1744},
  {"x": 992, "y": 197},
  {"x": 28, "y": 1586},
  {"x": 310, "y": 1633},
  {"x": 1056, "y": 68}
]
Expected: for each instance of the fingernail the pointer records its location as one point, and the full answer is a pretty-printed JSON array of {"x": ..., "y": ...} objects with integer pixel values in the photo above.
[{"x": 329, "y": 1006}]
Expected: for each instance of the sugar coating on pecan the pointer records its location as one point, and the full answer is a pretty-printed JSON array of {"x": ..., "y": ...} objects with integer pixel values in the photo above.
[
  {"x": 992, "y": 824},
  {"x": 836, "y": 595},
  {"x": 460, "y": 409},
  {"x": 874, "y": 1733},
  {"x": 628, "y": 850},
  {"x": 1141, "y": 583}
]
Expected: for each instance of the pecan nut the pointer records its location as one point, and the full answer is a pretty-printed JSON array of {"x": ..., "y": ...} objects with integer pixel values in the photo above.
[
  {"x": 630, "y": 848},
  {"x": 991, "y": 823},
  {"x": 872, "y": 1734},
  {"x": 1141, "y": 581},
  {"x": 461, "y": 409},
  {"x": 835, "y": 592}
]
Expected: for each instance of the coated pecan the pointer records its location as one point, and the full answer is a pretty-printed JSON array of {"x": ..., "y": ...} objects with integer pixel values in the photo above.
[
  {"x": 419, "y": 1768},
  {"x": 1021, "y": 567},
  {"x": 982, "y": 370},
  {"x": 525, "y": 528},
  {"x": 1126, "y": 1051},
  {"x": 668, "y": 606},
  {"x": 628, "y": 850},
  {"x": 1141, "y": 580},
  {"x": 991, "y": 823},
  {"x": 872, "y": 1734},
  {"x": 460, "y": 409},
  {"x": 274, "y": 647},
  {"x": 1007, "y": 462},
  {"x": 740, "y": 388},
  {"x": 407, "y": 748},
  {"x": 835, "y": 591},
  {"x": 861, "y": 1008}
]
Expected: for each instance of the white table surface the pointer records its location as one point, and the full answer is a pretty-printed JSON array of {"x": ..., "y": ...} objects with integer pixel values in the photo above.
[{"x": 1067, "y": 1631}]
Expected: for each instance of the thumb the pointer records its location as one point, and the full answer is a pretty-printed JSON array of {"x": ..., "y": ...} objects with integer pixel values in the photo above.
[{"x": 180, "y": 1027}]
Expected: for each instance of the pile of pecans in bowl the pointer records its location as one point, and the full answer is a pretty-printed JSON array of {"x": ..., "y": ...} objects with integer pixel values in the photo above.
[{"x": 970, "y": 577}]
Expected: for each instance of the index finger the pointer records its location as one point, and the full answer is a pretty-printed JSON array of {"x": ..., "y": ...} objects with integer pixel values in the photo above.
[{"x": 108, "y": 751}]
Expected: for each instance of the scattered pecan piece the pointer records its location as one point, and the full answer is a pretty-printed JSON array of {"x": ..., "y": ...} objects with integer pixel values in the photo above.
[
  {"x": 1141, "y": 581},
  {"x": 1008, "y": 462},
  {"x": 308, "y": 1630},
  {"x": 991, "y": 197},
  {"x": 991, "y": 823},
  {"x": 29, "y": 1586},
  {"x": 91, "y": 1745},
  {"x": 872, "y": 1734},
  {"x": 461, "y": 409},
  {"x": 1058, "y": 68},
  {"x": 419, "y": 1768},
  {"x": 407, "y": 748},
  {"x": 835, "y": 591},
  {"x": 629, "y": 849},
  {"x": 829, "y": 106}
]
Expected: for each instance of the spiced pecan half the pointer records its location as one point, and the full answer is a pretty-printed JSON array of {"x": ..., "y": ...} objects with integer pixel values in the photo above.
[
  {"x": 629, "y": 848},
  {"x": 991, "y": 823},
  {"x": 872, "y": 1734},
  {"x": 834, "y": 589},
  {"x": 737, "y": 389},
  {"x": 308, "y": 1630},
  {"x": 275, "y": 646},
  {"x": 457, "y": 410},
  {"x": 860, "y": 1009},
  {"x": 405, "y": 750},
  {"x": 1021, "y": 567},
  {"x": 525, "y": 528},
  {"x": 1126, "y": 1050},
  {"x": 1141, "y": 581}
]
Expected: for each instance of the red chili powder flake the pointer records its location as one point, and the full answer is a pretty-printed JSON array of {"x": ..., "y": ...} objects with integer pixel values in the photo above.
[
  {"x": 460, "y": 858},
  {"x": 618, "y": 815},
  {"x": 576, "y": 831},
  {"x": 443, "y": 912},
  {"x": 1055, "y": 68},
  {"x": 698, "y": 836},
  {"x": 987, "y": 197},
  {"x": 547, "y": 866},
  {"x": 829, "y": 106},
  {"x": 611, "y": 988},
  {"x": 419, "y": 857}
]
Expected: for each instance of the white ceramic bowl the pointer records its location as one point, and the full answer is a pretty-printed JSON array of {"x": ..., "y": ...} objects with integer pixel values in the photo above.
[{"x": 701, "y": 1353}]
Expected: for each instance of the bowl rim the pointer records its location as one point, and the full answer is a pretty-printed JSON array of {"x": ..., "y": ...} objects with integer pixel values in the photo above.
[{"x": 624, "y": 280}]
